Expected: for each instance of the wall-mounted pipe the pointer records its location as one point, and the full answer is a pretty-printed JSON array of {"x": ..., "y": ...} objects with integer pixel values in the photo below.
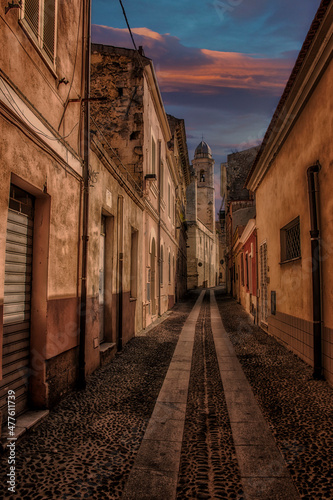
[
  {"x": 85, "y": 208},
  {"x": 316, "y": 277},
  {"x": 159, "y": 262},
  {"x": 120, "y": 266}
]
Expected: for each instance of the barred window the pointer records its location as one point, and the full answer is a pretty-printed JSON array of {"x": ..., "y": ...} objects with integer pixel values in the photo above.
[
  {"x": 291, "y": 241},
  {"x": 40, "y": 16}
]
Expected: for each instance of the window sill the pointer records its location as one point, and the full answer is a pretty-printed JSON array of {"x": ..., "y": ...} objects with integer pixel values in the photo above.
[
  {"x": 106, "y": 346},
  {"x": 290, "y": 260}
]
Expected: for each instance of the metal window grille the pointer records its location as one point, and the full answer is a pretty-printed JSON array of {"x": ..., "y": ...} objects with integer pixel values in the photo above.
[
  {"x": 293, "y": 242},
  {"x": 31, "y": 14},
  {"x": 49, "y": 27},
  {"x": 41, "y": 19}
]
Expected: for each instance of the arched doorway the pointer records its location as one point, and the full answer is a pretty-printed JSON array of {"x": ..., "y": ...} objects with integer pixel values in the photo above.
[{"x": 153, "y": 276}]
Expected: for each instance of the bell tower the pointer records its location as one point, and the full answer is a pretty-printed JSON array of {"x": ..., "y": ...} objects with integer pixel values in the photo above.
[{"x": 203, "y": 165}]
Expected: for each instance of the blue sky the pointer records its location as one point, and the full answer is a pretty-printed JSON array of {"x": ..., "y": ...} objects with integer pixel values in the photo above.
[{"x": 221, "y": 64}]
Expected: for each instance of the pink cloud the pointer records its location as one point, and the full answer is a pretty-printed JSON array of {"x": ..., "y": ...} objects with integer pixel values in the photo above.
[{"x": 202, "y": 71}]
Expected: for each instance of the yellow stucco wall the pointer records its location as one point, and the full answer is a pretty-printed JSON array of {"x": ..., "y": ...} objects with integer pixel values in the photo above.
[{"x": 283, "y": 195}]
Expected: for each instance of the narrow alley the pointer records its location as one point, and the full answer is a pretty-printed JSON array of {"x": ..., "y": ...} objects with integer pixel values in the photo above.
[{"x": 192, "y": 408}]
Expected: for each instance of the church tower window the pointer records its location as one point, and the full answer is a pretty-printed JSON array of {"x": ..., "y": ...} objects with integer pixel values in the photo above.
[{"x": 202, "y": 176}]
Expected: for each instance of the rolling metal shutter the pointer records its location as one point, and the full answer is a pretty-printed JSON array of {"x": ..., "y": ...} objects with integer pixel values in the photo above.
[{"x": 16, "y": 320}]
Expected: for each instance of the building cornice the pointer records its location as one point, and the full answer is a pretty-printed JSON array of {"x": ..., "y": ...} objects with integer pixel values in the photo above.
[{"x": 248, "y": 230}]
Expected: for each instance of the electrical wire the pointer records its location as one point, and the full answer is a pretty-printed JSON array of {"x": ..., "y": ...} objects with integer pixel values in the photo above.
[
  {"x": 139, "y": 56},
  {"x": 128, "y": 26},
  {"x": 16, "y": 107},
  {"x": 76, "y": 51}
]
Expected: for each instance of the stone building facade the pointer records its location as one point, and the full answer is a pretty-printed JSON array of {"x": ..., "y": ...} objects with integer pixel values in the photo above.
[
  {"x": 292, "y": 182},
  {"x": 203, "y": 245},
  {"x": 135, "y": 131}
]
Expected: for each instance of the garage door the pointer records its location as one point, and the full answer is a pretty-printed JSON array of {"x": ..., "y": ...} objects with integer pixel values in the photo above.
[{"x": 17, "y": 297}]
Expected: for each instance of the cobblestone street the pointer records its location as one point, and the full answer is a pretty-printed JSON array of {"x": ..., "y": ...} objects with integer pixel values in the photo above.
[{"x": 90, "y": 443}]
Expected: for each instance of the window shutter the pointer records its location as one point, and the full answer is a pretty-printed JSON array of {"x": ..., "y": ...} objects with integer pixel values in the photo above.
[
  {"x": 49, "y": 27},
  {"x": 31, "y": 14}
]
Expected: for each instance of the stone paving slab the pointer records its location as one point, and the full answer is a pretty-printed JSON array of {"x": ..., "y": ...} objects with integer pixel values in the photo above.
[
  {"x": 268, "y": 489},
  {"x": 25, "y": 422},
  {"x": 155, "y": 471},
  {"x": 159, "y": 455},
  {"x": 253, "y": 433},
  {"x": 164, "y": 411},
  {"x": 261, "y": 464},
  {"x": 148, "y": 484}
]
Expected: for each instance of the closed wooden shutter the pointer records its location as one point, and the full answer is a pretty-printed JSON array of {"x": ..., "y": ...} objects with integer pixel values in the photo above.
[{"x": 17, "y": 300}]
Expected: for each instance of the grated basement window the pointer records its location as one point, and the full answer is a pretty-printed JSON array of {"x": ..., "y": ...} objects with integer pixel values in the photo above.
[{"x": 291, "y": 241}]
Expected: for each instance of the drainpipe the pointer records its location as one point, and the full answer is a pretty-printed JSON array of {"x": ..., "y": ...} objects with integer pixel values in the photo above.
[
  {"x": 256, "y": 319},
  {"x": 316, "y": 278},
  {"x": 159, "y": 263},
  {"x": 120, "y": 246},
  {"x": 85, "y": 237}
]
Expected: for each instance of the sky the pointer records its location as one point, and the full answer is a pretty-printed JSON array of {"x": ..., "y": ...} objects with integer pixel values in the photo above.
[{"x": 222, "y": 65}]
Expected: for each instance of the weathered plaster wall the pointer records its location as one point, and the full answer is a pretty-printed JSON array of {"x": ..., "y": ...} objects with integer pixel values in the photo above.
[
  {"x": 32, "y": 75},
  {"x": 104, "y": 197},
  {"x": 282, "y": 196},
  {"x": 55, "y": 250}
]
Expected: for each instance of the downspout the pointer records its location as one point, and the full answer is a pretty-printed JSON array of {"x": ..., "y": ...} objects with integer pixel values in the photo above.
[
  {"x": 85, "y": 237},
  {"x": 256, "y": 319},
  {"x": 316, "y": 278},
  {"x": 120, "y": 245},
  {"x": 159, "y": 263},
  {"x": 204, "y": 283}
]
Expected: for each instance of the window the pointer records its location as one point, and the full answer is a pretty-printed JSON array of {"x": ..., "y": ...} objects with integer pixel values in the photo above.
[
  {"x": 202, "y": 176},
  {"x": 169, "y": 267},
  {"x": 169, "y": 200},
  {"x": 247, "y": 269},
  {"x": 290, "y": 239},
  {"x": 162, "y": 179},
  {"x": 242, "y": 269},
  {"x": 161, "y": 264},
  {"x": 153, "y": 156},
  {"x": 40, "y": 18},
  {"x": 134, "y": 264},
  {"x": 173, "y": 209}
]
